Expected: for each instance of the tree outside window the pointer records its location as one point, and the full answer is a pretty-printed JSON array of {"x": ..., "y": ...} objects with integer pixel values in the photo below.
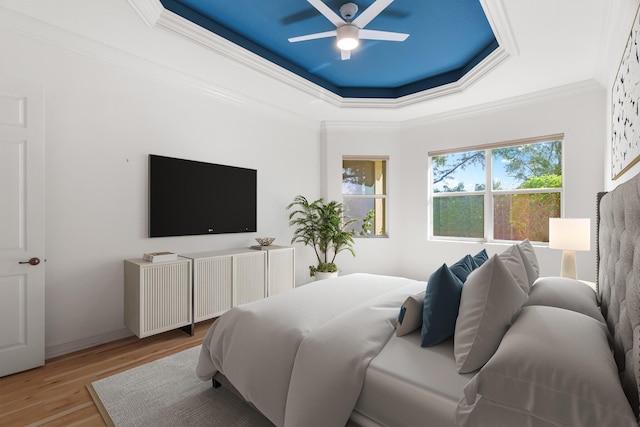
[
  {"x": 500, "y": 192},
  {"x": 364, "y": 193}
]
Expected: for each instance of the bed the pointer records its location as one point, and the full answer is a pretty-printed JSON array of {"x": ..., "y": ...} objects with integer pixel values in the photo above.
[{"x": 486, "y": 343}]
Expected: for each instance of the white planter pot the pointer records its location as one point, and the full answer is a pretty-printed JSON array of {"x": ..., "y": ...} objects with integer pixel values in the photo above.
[{"x": 321, "y": 276}]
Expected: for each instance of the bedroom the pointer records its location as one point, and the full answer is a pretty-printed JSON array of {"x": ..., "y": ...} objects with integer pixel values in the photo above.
[{"x": 117, "y": 90}]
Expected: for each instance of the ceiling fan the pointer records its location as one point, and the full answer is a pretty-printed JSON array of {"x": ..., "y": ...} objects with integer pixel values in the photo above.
[{"x": 348, "y": 33}]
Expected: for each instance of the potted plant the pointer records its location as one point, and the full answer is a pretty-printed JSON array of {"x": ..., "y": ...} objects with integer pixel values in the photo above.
[{"x": 324, "y": 227}]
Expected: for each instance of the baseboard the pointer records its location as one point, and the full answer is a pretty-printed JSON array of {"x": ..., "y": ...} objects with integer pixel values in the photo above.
[{"x": 61, "y": 349}]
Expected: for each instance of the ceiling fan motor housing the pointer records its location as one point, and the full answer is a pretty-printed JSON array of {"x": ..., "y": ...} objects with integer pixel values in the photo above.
[{"x": 348, "y": 37}]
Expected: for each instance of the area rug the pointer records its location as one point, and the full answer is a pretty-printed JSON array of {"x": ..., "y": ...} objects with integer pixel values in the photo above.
[{"x": 167, "y": 392}]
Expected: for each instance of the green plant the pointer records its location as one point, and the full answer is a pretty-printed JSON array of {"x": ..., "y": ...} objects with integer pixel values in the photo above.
[
  {"x": 323, "y": 226},
  {"x": 367, "y": 223}
]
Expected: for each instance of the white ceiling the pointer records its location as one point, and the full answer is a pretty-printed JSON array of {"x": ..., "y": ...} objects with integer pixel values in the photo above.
[{"x": 551, "y": 44}]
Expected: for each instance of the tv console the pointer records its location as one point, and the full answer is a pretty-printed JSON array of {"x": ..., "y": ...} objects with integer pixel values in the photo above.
[{"x": 161, "y": 296}]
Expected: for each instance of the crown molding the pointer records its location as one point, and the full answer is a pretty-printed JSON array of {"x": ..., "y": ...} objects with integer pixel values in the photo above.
[
  {"x": 496, "y": 14},
  {"x": 155, "y": 15},
  {"x": 574, "y": 89},
  {"x": 149, "y": 10},
  {"x": 176, "y": 24},
  {"x": 566, "y": 91},
  {"x": 489, "y": 63}
]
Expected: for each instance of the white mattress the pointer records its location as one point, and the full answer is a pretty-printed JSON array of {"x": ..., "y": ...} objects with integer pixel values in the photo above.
[{"x": 407, "y": 385}]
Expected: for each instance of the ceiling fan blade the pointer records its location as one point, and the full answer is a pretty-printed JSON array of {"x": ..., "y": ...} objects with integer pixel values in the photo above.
[
  {"x": 370, "y": 13},
  {"x": 308, "y": 13},
  {"x": 345, "y": 54},
  {"x": 383, "y": 35},
  {"x": 323, "y": 35},
  {"x": 327, "y": 12}
]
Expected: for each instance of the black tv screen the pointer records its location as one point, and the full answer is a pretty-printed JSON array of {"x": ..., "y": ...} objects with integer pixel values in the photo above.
[{"x": 188, "y": 197}]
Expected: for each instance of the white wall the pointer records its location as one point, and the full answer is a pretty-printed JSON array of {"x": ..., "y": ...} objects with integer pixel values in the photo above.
[
  {"x": 407, "y": 251},
  {"x": 102, "y": 121}
]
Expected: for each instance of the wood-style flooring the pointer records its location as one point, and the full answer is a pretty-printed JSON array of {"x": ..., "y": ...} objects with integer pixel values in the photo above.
[{"x": 55, "y": 394}]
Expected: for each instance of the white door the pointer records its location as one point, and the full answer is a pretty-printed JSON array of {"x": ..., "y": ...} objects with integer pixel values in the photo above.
[{"x": 21, "y": 226}]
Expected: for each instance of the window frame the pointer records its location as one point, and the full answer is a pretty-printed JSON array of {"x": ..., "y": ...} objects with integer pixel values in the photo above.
[
  {"x": 489, "y": 192},
  {"x": 384, "y": 197}
]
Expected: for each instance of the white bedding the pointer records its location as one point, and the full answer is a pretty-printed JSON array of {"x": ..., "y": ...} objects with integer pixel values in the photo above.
[
  {"x": 300, "y": 357},
  {"x": 407, "y": 385}
]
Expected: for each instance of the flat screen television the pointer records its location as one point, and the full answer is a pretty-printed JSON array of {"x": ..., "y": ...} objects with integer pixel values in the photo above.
[{"x": 188, "y": 197}]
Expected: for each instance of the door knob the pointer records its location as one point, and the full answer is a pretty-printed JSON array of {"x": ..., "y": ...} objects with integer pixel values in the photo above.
[{"x": 32, "y": 261}]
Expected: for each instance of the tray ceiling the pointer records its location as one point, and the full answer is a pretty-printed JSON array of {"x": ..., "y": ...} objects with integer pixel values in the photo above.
[{"x": 447, "y": 41}]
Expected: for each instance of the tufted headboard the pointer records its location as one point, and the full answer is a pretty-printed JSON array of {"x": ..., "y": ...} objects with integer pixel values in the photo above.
[{"x": 618, "y": 273}]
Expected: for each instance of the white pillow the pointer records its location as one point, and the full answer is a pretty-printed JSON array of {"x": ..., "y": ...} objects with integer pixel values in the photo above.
[
  {"x": 566, "y": 293},
  {"x": 554, "y": 367},
  {"x": 490, "y": 300},
  {"x": 410, "y": 317},
  {"x": 514, "y": 263}
]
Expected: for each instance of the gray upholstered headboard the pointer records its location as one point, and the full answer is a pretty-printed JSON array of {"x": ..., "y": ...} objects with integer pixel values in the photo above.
[{"x": 619, "y": 279}]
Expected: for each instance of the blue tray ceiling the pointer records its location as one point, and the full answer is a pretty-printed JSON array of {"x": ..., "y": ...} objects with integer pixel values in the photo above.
[{"x": 447, "y": 39}]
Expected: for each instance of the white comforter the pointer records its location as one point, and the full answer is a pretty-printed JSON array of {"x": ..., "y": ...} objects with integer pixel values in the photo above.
[{"x": 300, "y": 357}]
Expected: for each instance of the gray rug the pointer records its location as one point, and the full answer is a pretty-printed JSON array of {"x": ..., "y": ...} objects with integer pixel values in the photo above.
[{"x": 167, "y": 392}]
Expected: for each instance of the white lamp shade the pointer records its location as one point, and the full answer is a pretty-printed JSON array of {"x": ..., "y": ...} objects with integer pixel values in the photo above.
[{"x": 570, "y": 233}]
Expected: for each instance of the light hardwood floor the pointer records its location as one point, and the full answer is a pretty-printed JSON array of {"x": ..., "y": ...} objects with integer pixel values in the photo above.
[{"x": 56, "y": 394}]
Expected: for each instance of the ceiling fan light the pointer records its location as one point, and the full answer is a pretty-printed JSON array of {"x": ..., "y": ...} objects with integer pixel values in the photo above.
[
  {"x": 348, "y": 43},
  {"x": 348, "y": 37}
]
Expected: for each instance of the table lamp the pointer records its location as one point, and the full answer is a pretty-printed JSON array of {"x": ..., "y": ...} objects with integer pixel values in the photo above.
[{"x": 570, "y": 235}]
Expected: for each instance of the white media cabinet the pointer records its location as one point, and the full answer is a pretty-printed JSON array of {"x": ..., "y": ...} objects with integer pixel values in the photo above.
[{"x": 160, "y": 296}]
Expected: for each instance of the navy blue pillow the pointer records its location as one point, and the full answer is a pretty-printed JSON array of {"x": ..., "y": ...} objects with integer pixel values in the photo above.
[
  {"x": 463, "y": 268},
  {"x": 480, "y": 258},
  {"x": 441, "y": 304}
]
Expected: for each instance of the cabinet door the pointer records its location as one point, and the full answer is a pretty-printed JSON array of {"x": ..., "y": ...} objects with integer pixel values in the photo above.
[
  {"x": 281, "y": 270},
  {"x": 249, "y": 277},
  {"x": 165, "y": 297},
  {"x": 212, "y": 287}
]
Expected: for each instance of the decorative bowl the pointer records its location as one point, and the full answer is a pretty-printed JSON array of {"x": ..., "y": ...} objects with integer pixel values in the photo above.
[{"x": 265, "y": 241}]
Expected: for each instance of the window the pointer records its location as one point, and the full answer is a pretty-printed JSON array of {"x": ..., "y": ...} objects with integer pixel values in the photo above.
[
  {"x": 497, "y": 192},
  {"x": 364, "y": 194}
]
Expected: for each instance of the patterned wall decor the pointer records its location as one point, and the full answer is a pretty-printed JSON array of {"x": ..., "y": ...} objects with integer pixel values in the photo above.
[{"x": 625, "y": 131}]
